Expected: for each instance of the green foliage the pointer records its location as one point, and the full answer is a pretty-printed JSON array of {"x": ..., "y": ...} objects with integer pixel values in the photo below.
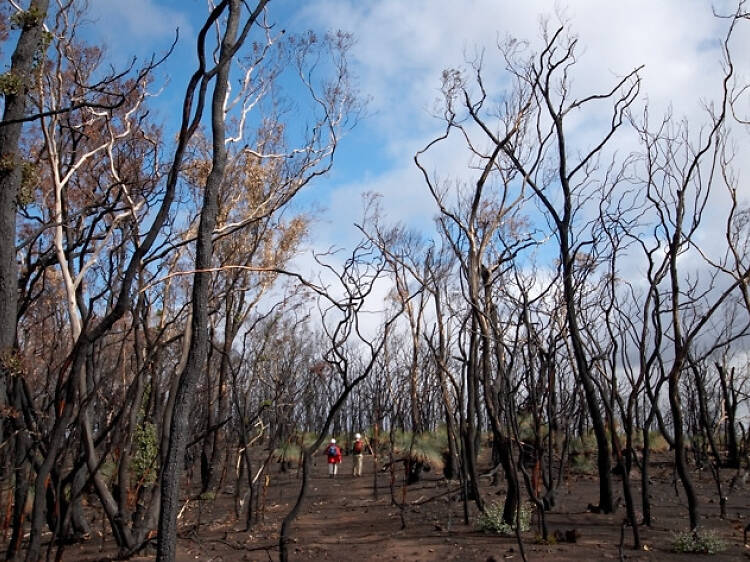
[
  {"x": 289, "y": 452},
  {"x": 582, "y": 463},
  {"x": 697, "y": 442},
  {"x": 309, "y": 438},
  {"x": 656, "y": 442},
  {"x": 582, "y": 444},
  {"x": 527, "y": 431},
  {"x": 26, "y": 19},
  {"x": 11, "y": 361},
  {"x": 698, "y": 542},
  {"x": 10, "y": 84},
  {"x": 41, "y": 53},
  {"x": 29, "y": 180},
  {"x": 491, "y": 521},
  {"x": 107, "y": 470},
  {"x": 47, "y": 38},
  {"x": 427, "y": 447},
  {"x": 550, "y": 540},
  {"x": 146, "y": 449},
  {"x": 7, "y": 161},
  {"x": 582, "y": 451}
]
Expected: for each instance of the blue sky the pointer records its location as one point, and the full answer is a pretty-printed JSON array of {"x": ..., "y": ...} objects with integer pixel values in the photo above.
[{"x": 402, "y": 47}]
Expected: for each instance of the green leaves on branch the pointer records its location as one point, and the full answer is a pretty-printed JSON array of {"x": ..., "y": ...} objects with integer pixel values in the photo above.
[
  {"x": 10, "y": 84},
  {"x": 29, "y": 178},
  {"x": 29, "y": 181},
  {"x": 145, "y": 441},
  {"x": 26, "y": 19}
]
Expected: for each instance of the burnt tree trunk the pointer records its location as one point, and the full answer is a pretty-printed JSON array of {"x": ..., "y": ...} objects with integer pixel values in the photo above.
[
  {"x": 728, "y": 393},
  {"x": 22, "y": 63},
  {"x": 178, "y": 436}
]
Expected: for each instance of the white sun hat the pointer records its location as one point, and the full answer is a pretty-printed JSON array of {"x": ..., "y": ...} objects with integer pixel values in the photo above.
[
  {"x": 357, "y": 436},
  {"x": 333, "y": 440}
]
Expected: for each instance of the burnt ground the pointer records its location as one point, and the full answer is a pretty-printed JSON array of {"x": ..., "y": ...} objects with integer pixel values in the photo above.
[{"x": 343, "y": 519}]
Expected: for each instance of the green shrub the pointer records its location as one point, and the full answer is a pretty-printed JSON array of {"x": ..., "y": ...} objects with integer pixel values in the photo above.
[
  {"x": 108, "y": 470},
  {"x": 308, "y": 438},
  {"x": 582, "y": 464},
  {"x": 585, "y": 443},
  {"x": 289, "y": 452},
  {"x": 146, "y": 448},
  {"x": 656, "y": 441},
  {"x": 527, "y": 429},
  {"x": 426, "y": 448},
  {"x": 698, "y": 542},
  {"x": 29, "y": 181},
  {"x": 491, "y": 521}
]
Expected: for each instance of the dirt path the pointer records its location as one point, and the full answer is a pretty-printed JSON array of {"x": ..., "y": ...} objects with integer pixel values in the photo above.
[
  {"x": 345, "y": 519},
  {"x": 342, "y": 519}
]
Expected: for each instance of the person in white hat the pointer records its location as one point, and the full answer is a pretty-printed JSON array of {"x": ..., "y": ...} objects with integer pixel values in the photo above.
[
  {"x": 358, "y": 449},
  {"x": 333, "y": 452}
]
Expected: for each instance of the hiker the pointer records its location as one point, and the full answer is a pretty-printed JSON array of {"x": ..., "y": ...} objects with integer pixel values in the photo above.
[
  {"x": 333, "y": 452},
  {"x": 359, "y": 450}
]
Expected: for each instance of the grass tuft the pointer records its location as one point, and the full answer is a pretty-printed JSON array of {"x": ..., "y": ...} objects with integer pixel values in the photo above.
[
  {"x": 491, "y": 521},
  {"x": 698, "y": 542}
]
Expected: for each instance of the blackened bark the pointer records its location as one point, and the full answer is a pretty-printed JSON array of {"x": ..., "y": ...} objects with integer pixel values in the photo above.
[
  {"x": 22, "y": 64},
  {"x": 20, "y": 469},
  {"x": 172, "y": 468},
  {"x": 603, "y": 462},
  {"x": 705, "y": 424},
  {"x": 679, "y": 443},
  {"x": 728, "y": 394},
  {"x": 64, "y": 408},
  {"x": 469, "y": 430},
  {"x": 496, "y": 396},
  {"x": 624, "y": 464},
  {"x": 214, "y": 445},
  {"x": 645, "y": 460},
  {"x": 451, "y": 469}
]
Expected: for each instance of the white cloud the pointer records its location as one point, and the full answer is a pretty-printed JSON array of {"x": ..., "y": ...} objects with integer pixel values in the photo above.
[
  {"x": 140, "y": 19},
  {"x": 402, "y": 47},
  {"x": 139, "y": 27}
]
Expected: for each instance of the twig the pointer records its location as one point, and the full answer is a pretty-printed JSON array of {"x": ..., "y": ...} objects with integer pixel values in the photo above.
[{"x": 179, "y": 515}]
